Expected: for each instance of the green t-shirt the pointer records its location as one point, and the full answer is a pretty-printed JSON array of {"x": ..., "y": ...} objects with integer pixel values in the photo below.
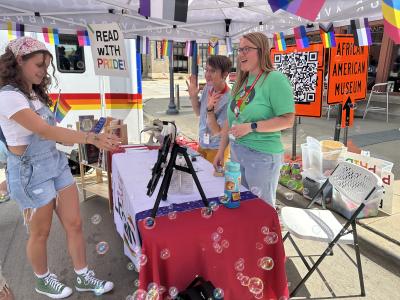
[{"x": 272, "y": 96}]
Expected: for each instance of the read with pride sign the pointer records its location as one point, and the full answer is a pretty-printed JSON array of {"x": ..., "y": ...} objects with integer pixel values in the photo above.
[
  {"x": 108, "y": 50},
  {"x": 348, "y": 70}
]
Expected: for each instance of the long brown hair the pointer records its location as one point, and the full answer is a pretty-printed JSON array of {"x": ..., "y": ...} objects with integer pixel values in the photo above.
[
  {"x": 261, "y": 42},
  {"x": 11, "y": 73}
]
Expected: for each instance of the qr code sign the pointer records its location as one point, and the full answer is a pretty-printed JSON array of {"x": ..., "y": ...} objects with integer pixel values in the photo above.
[{"x": 301, "y": 68}]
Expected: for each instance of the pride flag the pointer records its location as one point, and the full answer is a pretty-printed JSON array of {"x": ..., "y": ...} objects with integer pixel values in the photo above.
[
  {"x": 189, "y": 48},
  {"x": 279, "y": 41},
  {"x": 213, "y": 46},
  {"x": 83, "y": 38},
  {"x": 15, "y": 31},
  {"x": 174, "y": 10},
  {"x": 50, "y": 35},
  {"x": 308, "y": 9},
  {"x": 301, "y": 37},
  {"x": 327, "y": 35},
  {"x": 361, "y": 31},
  {"x": 61, "y": 109},
  {"x": 391, "y": 16},
  {"x": 166, "y": 49},
  {"x": 142, "y": 45}
]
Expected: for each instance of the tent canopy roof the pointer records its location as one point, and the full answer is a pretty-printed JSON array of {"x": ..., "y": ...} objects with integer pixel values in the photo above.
[{"x": 206, "y": 18}]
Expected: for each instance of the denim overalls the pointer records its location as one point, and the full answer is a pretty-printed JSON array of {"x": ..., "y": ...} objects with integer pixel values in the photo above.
[{"x": 35, "y": 177}]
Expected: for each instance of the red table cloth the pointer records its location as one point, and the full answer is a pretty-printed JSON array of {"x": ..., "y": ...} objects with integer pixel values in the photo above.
[{"x": 239, "y": 250}]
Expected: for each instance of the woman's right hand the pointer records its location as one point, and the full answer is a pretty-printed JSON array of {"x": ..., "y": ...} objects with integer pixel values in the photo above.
[
  {"x": 105, "y": 141},
  {"x": 218, "y": 160},
  {"x": 192, "y": 86}
]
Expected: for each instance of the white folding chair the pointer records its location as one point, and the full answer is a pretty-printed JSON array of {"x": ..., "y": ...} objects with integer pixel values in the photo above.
[
  {"x": 379, "y": 88},
  {"x": 355, "y": 183}
]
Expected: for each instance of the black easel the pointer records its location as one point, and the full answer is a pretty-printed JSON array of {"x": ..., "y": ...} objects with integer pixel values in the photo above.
[
  {"x": 347, "y": 107},
  {"x": 163, "y": 192}
]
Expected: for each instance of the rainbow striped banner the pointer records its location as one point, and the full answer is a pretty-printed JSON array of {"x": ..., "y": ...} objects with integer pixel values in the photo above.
[
  {"x": 361, "y": 31},
  {"x": 83, "y": 38},
  {"x": 213, "y": 46},
  {"x": 301, "y": 37},
  {"x": 279, "y": 41},
  {"x": 15, "y": 31},
  {"x": 391, "y": 16},
  {"x": 327, "y": 33},
  {"x": 229, "y": 48},
  {"x": 51, "y": 35},
  {"x": 61, "y": 109},
  {"x": 166, "y": 49}
]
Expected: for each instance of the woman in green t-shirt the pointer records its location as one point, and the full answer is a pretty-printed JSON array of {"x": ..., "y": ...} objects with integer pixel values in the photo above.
[{"x": 261, "y": 105}]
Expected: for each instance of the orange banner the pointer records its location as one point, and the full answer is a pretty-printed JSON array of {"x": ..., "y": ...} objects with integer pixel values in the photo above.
[
  {"x": 305, "y": 69},
  {"x": 348, "y": 71}
]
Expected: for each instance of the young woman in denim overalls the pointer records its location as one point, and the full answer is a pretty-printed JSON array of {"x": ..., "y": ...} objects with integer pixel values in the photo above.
[{"x": 38, "y": 175}]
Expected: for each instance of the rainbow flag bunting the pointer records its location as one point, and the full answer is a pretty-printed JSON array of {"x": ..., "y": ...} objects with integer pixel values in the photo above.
[
  {"x": 189, "y": 48},
  {"x": 61, "y": 109},
  {"x": 50, "y": 35},
  {"x": 279, "y": 41},
  {"x": 213, "y": 46},
  {"x": 158, "y": 49},
  {"x": 391, "y": 19},
  {"x": 327, "y": 35},
  {"x": 361, "y": 31},
  {"x": 301, "y": 37},
  {"x": 83, "y": 38},
  {"x": 142, "y": 45},
  {"x": 166, "y": 49},
  {"x": 229, "y": 48},
  {"x": 308, "y": 9},
  {"x": 15, "y": 30}
]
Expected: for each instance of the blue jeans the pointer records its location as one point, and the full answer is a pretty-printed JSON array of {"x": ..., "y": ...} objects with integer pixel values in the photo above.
[{"x": 260, "y": 171}]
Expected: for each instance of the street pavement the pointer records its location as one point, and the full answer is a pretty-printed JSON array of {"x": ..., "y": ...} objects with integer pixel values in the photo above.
[{"x": 337, "y": 276}]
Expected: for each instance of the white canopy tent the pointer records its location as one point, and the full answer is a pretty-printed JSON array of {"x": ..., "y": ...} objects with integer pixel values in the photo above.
[{"x": 206, "y": 18}]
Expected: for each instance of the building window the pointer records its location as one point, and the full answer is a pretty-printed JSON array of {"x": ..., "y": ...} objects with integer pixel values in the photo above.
[
  {"x": 394, "y": 73},
  {"x": 70, "y": 56},
  {"x": 374, "y": 51},
  {"x": 180, "y": 60}
]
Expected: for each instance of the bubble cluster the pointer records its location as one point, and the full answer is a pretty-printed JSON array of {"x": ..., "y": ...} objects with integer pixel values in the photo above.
[
  {"x": 130, "y": 266},
  {"x": 173, "y": 291},
  {"x": 96, "y": 219},
  {"x": 266, "y": 263},
  {"x": 271, "y": 238},
  {"x": 218, "y": 293},
  {"x": 139, "y": 294},
  {"x": 165, "y": 254},
  {"x": 289, "y": 196},
  {"x": 239, "y": 265},
  {"x": 256, "y": 285},
  {"x": 149, "y": 223},
  {"x": 206, "y": 212}
]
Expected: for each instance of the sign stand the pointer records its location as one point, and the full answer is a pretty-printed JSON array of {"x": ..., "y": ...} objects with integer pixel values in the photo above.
[
  {"x": 294, "y": 137},
  {"x": 347, "y": 107},
  {"x": 338, "y": 125}
]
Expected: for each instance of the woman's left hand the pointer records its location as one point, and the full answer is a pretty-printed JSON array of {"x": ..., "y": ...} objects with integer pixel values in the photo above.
[{"x": 240, "y": 130}]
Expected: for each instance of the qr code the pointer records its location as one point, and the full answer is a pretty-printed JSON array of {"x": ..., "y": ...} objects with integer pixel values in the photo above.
[{"x": 301, "y": 69}]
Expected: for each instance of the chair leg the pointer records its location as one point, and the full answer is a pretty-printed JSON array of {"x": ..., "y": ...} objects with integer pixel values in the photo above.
[
  {"x": 387, "y": 107},
  {"x": 366, "y": 108},
  {"x": 358, "y": 258},
  {"x": 299, "y": 252}
]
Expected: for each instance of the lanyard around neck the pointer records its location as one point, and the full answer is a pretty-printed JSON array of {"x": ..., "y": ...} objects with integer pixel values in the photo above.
[{"x": 239, "y": 102}]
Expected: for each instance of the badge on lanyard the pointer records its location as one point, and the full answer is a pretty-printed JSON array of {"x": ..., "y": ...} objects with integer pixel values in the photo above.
[
  {"x": 206, "y": 139},
  {"x": 242, "y": 93}
]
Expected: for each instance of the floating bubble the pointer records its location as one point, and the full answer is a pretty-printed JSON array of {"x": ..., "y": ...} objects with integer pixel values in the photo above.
[
  {"x": 256, "y": 285},
  {"x": 130, "y": 266},
  {"x": 289, "y": 196},
  {"x": 219, "y": 250},
  {"x": 306, "y": 191},
  {"x": 264, "y": 230},
  {"x": 220, "y": 230},
  {"x": 266, "y": 263},
  {"x": 215, "y": 237},
  {"x": 283, "y": 298},
  {"x": 218, "y": 293},
  {"x": 206, "y": 212},
  {"x": 149, "y": 223},
  {"x": 216, "y": 245},
  {"x": 239, "y": 265},
  {"x": 245, "y": 280},
  {"x": 142, "y": 259},
  {"x": 136, "y": 283},
  {"x": 173, "y": 292},
  {"x": 165, "y": 254},
  {"x": 239, "y": 276},
  {"x": 214, "y": 205},
  {"x": 172, "y": 215},
  {"x": 153, "y": 294},
  {"x": 152, "y": 286},
  {"x": 225, "y": 243},
  {"x": 139, "y": 295},
  {"x": 259, "y": 296},
  {"x": 102, "y": 248},
  {"x": 96, "y": 219},
  {"x": 223, "y": 199},
  {"x": 259, "y": 246},
  {"x": 271, "y": 238},
  {"x": 161, "y": 289}
]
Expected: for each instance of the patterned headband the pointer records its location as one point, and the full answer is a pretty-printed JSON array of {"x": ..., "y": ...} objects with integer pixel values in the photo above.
[{"x": 25, "y": 45}]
